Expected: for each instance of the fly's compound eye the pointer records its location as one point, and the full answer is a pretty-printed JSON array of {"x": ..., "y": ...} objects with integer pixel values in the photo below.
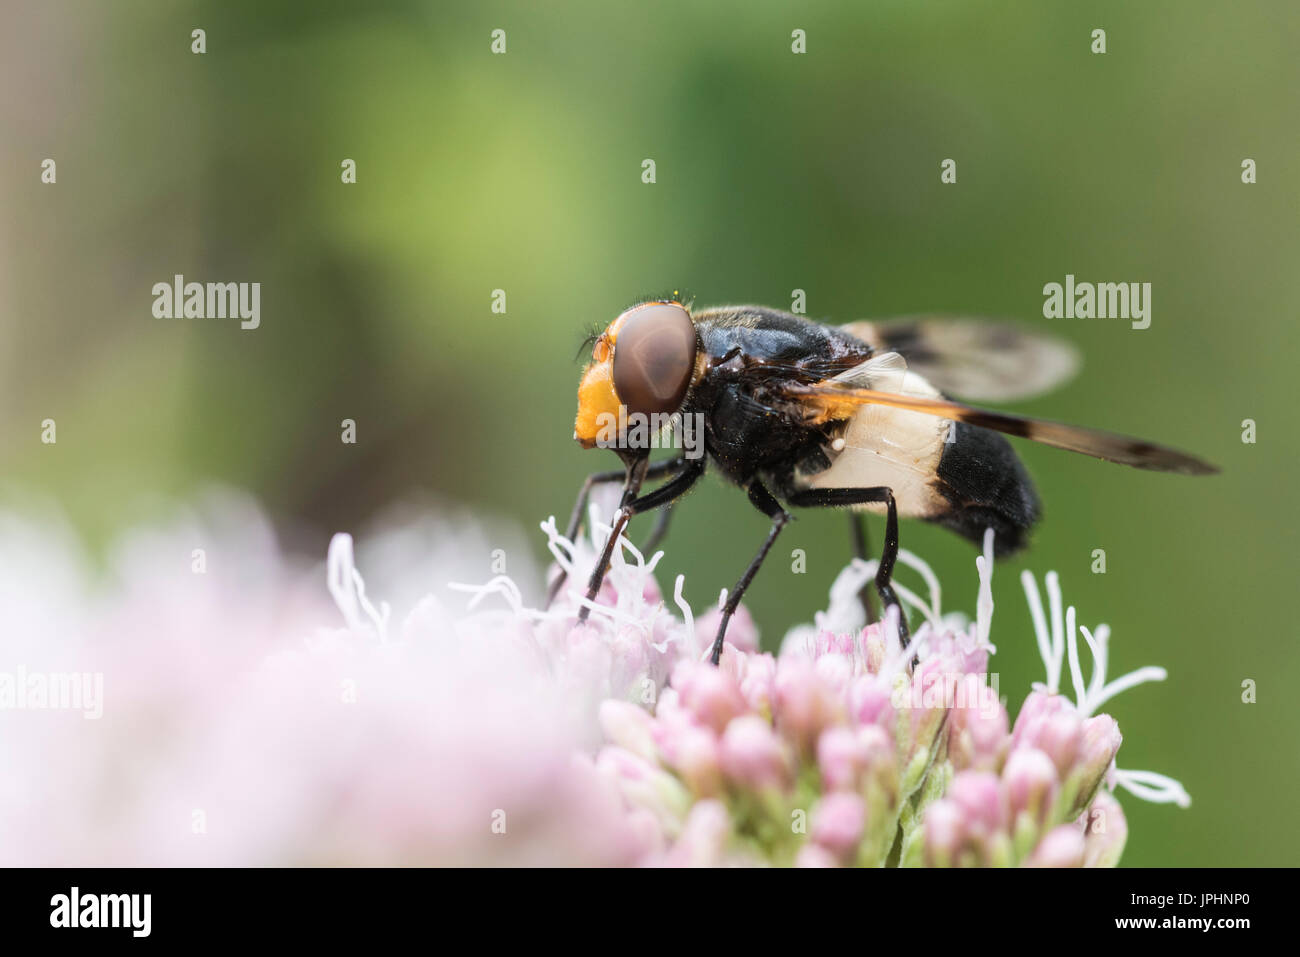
[{"x": 654, "y": 358}]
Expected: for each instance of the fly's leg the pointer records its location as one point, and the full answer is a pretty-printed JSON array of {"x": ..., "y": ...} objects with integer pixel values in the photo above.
[
  {"x": 658, "y": 470},
  {"x": 770, "y": 507},
  {"x": 889, "y": 555},
  {"x": 665, "y": 494}
]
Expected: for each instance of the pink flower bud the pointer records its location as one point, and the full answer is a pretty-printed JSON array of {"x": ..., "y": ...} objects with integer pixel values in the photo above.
[
  {"x": 703, "y": 840},
  {"x": 963, "y": 651},
  {"x": 876, "y": 646},
  {"x": 1038, "y": 707},
  {"x": 878, "y": 747},
  {"x": 628, "y": 726},
  {"x": 945, "y": 833},
  {"x": 925, "y": 700},
  {"x": 647, "y": 834},
  {"x": 629, "y": 657},
  {"x": 688, "y": 748},
  {"x": 1031, "y": 783},
  {"x": 1106, "y": 831},
  {"x": 979, "y": 795},
  {"x": 757, "y": 682},
  {"x": 1061, "y": 847},
  {"x": 752, "y": 755},
  {"x": 698, "y": 761},
  {"x": 838, "y": 822},
  {"x": 841, "y": 757},
  {"x": 835, "y": 672},
  {"x": 814, "y": 855},
  {"x": 880, "y": 783},
  {"x": 708, "y": 693},
  {"x": 646, "y": 785},
  {"x": 869, "y": 701},
  {"x": 1058, "y": 735},
  {"x": 803, "y": 703},
  {"x": 977, "y": 736},
  {"x": 1099, "y": 741}
]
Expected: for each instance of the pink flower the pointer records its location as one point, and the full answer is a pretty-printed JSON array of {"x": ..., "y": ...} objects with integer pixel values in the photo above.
[{"x": 914, "y": 764}]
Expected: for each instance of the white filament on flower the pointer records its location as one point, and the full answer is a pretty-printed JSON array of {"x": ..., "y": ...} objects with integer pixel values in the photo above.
[
  {"x": 918, "y": 603},
  {"x": 984, "y": 602},
  {"x": 561, "y": 548},
  {"x": 923, "y": 568},
  {"x": 1123, "y": 683},
  {"x": 1035, "y": 602},
  {"x": 687, "y": 616},
  {"x": 1150, "y": 786},
  {"x": 1097, "y": 645},
  {"x": 1076, "y": 673},
  {"x": 501, "y": 585},
  {"x": 844, "y": 613},
  {"x": 1090, "y": 696},
  {"x": 628, "y": 579},
  {"x": 349, "y": 591}
]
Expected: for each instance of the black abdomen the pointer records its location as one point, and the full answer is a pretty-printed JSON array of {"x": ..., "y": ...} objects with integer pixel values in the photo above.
[{"x": 986, "y": 486}]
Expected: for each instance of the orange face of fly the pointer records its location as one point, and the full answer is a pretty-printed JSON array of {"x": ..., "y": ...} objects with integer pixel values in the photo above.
[{"x": 643, "y": 363}]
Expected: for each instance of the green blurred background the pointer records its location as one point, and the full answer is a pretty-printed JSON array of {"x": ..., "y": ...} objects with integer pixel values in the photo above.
[{"x": 775, "y": 172}]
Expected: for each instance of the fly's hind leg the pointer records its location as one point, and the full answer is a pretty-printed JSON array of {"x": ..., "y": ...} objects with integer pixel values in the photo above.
[{"x": 832, "y": 497}]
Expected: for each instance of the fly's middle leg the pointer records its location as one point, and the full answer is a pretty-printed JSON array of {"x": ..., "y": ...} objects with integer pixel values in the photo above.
[{"x": 832, "y": 497}]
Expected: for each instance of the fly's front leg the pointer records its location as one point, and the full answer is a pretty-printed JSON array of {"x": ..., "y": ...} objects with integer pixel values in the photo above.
[
  {"x": 769, "y": 506},
  {"x": 889, "y": 555},
  {"x": 658, "y": 470},
  {"x": 670, "y": 491}
]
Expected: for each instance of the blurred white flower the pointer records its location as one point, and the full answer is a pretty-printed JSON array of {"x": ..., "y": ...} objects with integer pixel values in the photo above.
[{"x": 239, "y": 727}]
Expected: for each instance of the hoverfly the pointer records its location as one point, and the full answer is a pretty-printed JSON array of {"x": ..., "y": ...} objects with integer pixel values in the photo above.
[{"x": 801, "y": 414}]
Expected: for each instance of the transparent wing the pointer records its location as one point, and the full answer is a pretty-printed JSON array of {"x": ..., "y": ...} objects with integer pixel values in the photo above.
[{"x": 982, "y": 359}]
